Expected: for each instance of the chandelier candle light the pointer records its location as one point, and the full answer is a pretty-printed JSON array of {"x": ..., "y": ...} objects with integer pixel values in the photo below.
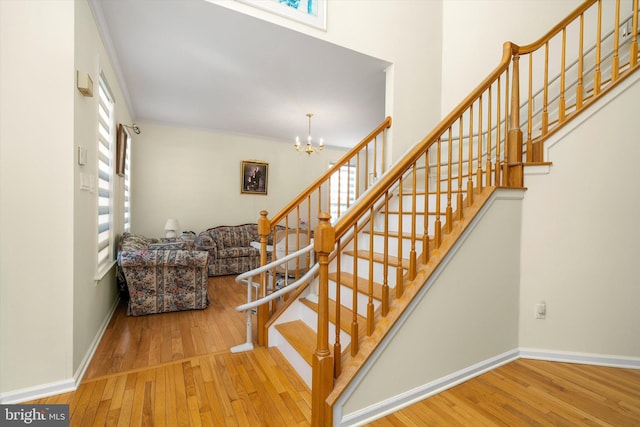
[{"x": 309, "y": 148}]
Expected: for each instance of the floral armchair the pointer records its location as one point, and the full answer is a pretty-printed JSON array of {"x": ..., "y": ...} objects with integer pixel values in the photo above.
[{"x": 162, "y": 275}]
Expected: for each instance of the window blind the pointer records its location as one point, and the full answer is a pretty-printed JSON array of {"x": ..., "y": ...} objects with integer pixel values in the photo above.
[
  {"x": 106, "y": 132},
  {"x": 127, "y": 188}
]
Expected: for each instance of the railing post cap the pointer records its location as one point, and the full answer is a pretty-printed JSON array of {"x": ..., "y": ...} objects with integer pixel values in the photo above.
[
  {"x": 264, "y": 224},
  {"x": 324, "y": 234}
]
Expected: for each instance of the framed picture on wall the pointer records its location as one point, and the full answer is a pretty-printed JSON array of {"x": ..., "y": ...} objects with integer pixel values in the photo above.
[
  {"x": 121, "y": 149},
  {"x": 254, "y": 175}
]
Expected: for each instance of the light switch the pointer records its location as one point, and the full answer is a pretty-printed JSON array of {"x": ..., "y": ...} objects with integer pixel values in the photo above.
[{"x": 82, "y": 156}]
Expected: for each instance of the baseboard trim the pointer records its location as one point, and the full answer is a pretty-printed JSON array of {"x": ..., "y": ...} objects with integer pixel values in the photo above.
[
  {"x": 63, "y": 386},
  {"x": 38, "y": 392},
  {"x": 582, "y": 358},
  {"x": 410, "y": 397},
  {"x": 82, "y": 369}
]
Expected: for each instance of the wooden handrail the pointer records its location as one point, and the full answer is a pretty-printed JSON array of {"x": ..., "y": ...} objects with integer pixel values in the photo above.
[{"x": 557, "y": 28}]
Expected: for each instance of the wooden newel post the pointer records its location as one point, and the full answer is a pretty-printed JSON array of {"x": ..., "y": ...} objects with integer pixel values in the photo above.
[
  {"x": 515, "y": 177},
  {"x": 322, "y": 376},
  {"x": 264, "y": 227}
]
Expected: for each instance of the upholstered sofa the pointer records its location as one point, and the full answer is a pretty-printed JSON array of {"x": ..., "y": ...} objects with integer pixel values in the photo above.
[
  {"x": 229, "y": 248},
  {"x": 162, "y": 275}
]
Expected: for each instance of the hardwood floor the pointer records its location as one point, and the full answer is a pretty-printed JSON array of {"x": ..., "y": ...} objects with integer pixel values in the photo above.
[
  {"x": 532, "y": 393},
  {"x": 138, "y": 342},
  {"x": 175, "y": 369}
]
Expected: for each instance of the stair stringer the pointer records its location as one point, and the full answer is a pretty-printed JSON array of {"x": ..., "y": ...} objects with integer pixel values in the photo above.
[{"x": 349, "y": 400}]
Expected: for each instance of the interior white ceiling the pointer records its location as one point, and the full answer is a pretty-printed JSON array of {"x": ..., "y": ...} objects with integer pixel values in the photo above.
[{"x": 196, "y": 64}]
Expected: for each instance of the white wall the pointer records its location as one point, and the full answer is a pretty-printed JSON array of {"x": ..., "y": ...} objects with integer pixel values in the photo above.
[
  {"x": 93, "y": 300},
  {"x": 407, "y": 33},
  {"x": 51, "y": 308},
  {"x": 469, "y": 315},
  {"x": 36, "y": 192},
  {"x": 580, "y": 237},
  {"x": 473, "y": 33},
  {"x": 194, "y": 176}
]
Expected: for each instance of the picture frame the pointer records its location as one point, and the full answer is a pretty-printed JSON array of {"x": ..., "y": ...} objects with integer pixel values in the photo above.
[
  {"x": 308, "y": 12},
  {"x": 122, "y": 141},
  {"x": 254, "y": 177}
]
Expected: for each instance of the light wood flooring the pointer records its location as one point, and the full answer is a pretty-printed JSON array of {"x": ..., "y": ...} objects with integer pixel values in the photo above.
[{"x": 175, "y": 369}]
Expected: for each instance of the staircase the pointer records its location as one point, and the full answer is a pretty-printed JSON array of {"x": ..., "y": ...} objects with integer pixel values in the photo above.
[{"x": 379, "y": 252}]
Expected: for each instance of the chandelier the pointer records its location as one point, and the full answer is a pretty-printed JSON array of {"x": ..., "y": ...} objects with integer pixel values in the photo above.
[{"x": 309, "y": 148}]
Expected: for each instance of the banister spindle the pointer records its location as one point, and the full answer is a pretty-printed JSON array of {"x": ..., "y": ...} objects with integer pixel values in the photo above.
[
  {"x": 615, "y": 62},
  {"x": 375, "y": 158},
  {"x": 469, "y": 158},
  {"x": 337, "y": 345},
  {"x": 597, "y": 75},
  {"x": 489, "y": 141},
  {"x": 425, "y": 230},
  {"x": 459, "y": 198},
  {"x": 580, "y": 87},
  {"x": 355, "y": 329},
  {"x": 479, "y": 172},
  {"x": 634, "y": 39},
  {"x": 437, "y": 232},
  {"x": 357, "y": 176},
  {"x": 370, "y": 278},
  {"x": 545, "y": 100},
  {"x": 449, "y": 211},
  {"x": 385, "y": 267},
  {"x": 498, "y": 155},
  {"x": 399, "y": 272},
  {"x": 530, "y": 112},
  {"x": 561, "y": 102},
  {"x": 322, "y": 366},
  {"x": 412, "y": 252},
  {"x": 366, "y": 168},
  {"x": 264, "y": 227}
]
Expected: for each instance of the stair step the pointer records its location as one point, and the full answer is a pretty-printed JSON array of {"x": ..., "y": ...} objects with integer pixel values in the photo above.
[
  {"x": 346, "y": 316},
  {"x": 377, "y": 257},
  {"x": 346, "y": 279},
  {"x": 301, "y": 337}
]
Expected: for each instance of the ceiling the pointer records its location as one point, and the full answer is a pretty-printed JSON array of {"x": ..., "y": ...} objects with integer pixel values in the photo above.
[{"x": 196, "y": 64}]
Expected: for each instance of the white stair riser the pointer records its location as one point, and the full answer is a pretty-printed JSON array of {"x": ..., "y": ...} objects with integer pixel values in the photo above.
[
  {"x": 363, "y": 270},
  {"x": 406, "y": 224},
  {"x": 378, "y": 245},
  {"x": 346, "y": 298},
  {"x": 310, "y": 318}
]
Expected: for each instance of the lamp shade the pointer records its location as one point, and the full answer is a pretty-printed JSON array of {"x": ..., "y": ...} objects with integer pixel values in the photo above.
[{"x": 171, "y": 226}]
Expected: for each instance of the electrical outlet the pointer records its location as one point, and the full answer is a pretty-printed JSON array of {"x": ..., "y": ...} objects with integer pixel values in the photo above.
[{"x": 541, "y": 311}]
